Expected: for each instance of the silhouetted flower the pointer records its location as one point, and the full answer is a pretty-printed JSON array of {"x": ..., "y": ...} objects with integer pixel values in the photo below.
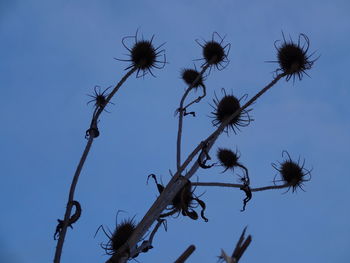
[
  {"x": 99, "y": 97},
  {"x": 190, "y": 75},
  {"x": 228, "y": 159},
  {"x": 214, "y": 53},
  {"x": 292, "y": 173},
  {"x": 121, "y": 234},
  {"x": 225, "y": 108},
  {"x": 293, "y": 58},
  {"x": 144, "y": 56}
]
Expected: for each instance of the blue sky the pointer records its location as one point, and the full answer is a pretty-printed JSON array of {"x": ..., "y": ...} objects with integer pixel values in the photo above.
[{"x": 54, "y": 52}]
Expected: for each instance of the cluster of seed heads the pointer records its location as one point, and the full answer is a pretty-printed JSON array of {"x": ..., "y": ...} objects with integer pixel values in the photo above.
[{"x": 293, "y": 60}]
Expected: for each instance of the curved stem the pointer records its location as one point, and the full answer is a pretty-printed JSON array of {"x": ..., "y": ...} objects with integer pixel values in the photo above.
[
  {"x": 96, "y": 114},
  {"x": 181, "y": 115},
  {"x": 63, "y": 231},
  {"x": 198, "y": 99}
]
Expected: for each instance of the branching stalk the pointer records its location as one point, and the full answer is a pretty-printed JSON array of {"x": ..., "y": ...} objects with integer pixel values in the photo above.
[{"x": 176, "y": 183}]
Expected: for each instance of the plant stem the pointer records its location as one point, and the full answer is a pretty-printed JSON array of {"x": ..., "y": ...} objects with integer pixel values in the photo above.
[
  {"x": 181, "y": 115},
  {"x": 185, "y": 255},
  {"x": 63, "y": 231},
  {"x": 240, "y": 185}
]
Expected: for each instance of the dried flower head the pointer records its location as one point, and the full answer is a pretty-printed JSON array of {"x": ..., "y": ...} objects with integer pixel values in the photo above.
[
  {"x": 227, "y": 158},
  {"x": 118, "y": 238},
  {"x": 214, "y": 53},
  {"x": 144, "y": 56},
  {"x": 225, "y": 108},
  {"x": 190, "y": 76},
  {"x": 293, "y": 58},
  {"x": 292, "y": 173},
  {"x": 122, "y": 233},
  {"x": 99, "y": 97}
]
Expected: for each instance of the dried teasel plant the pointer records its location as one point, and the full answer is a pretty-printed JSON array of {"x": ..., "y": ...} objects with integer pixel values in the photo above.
[
  {"x": 143, "y": 55},
  {"x": 192, "y": 78},
  {"x": 214, "y": 52},
  {"x": 177, "y": 197},
  {"x": 119, "y": 237},
  {"x": 292, "y": 173},
  {"x": 293, "y": 58},
  {"x": 229, "y": 159},
  {"x": 225, "y": 107},
  {"x": 99, "y": 97}
]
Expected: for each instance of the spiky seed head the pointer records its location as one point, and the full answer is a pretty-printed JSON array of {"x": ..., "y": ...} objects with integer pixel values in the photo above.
[
  {"x": 190, "y": 75},
  {"x": 291, "y": 172},
  {"x": 293, "y": 58},
  {"x": 143, "y": 55},
  {"x": 122, "y": 233},
  {"x": 228, "y": 105},
  {"x": 213, "y": 53},
  {"x": 227, "y": 158},
  {"x": 225, "y": 108}
]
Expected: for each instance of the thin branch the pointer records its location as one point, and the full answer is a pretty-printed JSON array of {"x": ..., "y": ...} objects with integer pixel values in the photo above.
[
  {"x": 198, "y": 99},
  {"x": 269, "y": 187},
  {"x": 258, "y": 189},
  {"x": 185, "y": 255},
  {"x": 63, "y": 231},
  {"x": 181, "y": 109},
  {"x": 176, "y": 182}
]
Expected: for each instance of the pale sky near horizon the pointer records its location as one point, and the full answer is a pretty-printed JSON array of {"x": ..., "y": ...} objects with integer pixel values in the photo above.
[{"x": 53, "y": 53}]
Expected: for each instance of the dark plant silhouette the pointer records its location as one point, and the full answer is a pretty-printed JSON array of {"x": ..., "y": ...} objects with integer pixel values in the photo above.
[
  {"x": 177, "y": 197},
  {"x": 183, "y": 201},
  {"x": 144, "y": 56},
  {"x": 293, "y": 58},
  {"x": 293, "y": 173}
]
